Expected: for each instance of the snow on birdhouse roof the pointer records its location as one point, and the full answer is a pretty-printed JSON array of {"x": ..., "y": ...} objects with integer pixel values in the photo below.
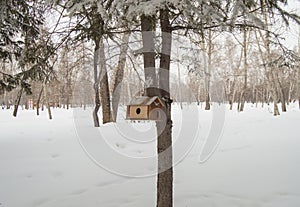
[{"x": 144, "y": 100}]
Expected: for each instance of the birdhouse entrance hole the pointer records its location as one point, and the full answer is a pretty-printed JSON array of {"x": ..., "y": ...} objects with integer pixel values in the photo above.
[{"x": 138, "y": 111}]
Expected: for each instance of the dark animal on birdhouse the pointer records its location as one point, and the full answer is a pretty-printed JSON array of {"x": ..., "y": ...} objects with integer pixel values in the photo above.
[{"x": 145, "y": 108}]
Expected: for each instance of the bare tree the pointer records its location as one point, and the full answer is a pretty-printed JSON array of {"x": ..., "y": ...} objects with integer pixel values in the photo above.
[
  {"x": 245, "y": 55},
  {"x": 119, "y": 74}
]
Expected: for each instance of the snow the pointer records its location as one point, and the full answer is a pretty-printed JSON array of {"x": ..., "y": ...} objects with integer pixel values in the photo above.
[
  {"x": 143, "y": 100},
  {"x": 47, "y": 163}
]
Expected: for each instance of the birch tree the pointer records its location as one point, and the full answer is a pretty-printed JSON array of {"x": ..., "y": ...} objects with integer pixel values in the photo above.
[
  {"x": 93, "y": 26},
  {"x": 119, "y": 74}
]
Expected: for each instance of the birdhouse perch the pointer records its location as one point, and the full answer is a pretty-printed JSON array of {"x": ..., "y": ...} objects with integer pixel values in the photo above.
[{"x": 145, "y": 108}]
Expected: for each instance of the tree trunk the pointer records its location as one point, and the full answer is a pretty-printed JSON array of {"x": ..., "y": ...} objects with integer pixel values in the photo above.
[
  {"x": 263, "y": 98},
  {"x": 281, "y": 91},
  {"x": 207, "y": 105},
  {"x": 104, "y": 87},
  {"x": 5, "y": 96},
  {"x": 256, "y": 98},
  {"x": 17, "y": 102},
  {"x": 5, "y": 102},
  {"x": 232, "y": 99},
  {"x": 164, "y": 139},
  {"x": 68, "y": 96},
  {"x": 208, "y": 75},
  {"x": 47, "y": 101},
  {"x": 38, "y": 101},
  {"x": 274, "y": 93},
  {"x": 179, "y": 79},
  {"x": 243, "y": 95},
  {"x": 233, "y": 88},
  {"x": 147, "y": 23},
  {"x": 179, "y": 86},
  {"x": 68, "y": 86},
  {"x": 164, "y": 142},
  {"x": 271, "y": 84},
  {"x": 239, "y": 102},
  {"x": 119, "y": 75},
  {"x": 206, "y": 68},
  {"x": 96, "y": 85}
]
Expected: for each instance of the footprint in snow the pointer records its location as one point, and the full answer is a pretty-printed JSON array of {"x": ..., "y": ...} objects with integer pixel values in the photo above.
[
  {"x": 40, "y": 202},
  {"x": 49, "y": 140},
  {"x": 102, "y": 184},
  {"x": 120, "y": 145},
  {"x": 54, "y": 156},
  {"x": 78, "y": 192},
  {"x": 29, "y": 176}
]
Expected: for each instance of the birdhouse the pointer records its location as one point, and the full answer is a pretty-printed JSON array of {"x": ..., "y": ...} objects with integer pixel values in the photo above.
[{"x": 145, "y": 108}]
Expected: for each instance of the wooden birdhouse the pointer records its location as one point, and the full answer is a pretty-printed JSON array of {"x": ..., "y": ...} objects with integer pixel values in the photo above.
[{"x": 145, "y": 108}]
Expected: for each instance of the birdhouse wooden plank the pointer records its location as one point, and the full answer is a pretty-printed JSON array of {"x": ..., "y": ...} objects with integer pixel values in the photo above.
[{"x": 145, "y": 108}]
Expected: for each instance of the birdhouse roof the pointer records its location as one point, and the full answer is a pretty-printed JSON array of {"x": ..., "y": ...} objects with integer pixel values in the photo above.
[{"x": 144, "y": 100}]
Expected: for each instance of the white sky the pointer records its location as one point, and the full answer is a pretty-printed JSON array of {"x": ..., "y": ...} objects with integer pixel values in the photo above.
[{"x": 293, "y": 32}]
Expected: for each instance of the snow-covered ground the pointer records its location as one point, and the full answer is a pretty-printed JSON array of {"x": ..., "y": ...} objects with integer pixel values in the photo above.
[{"x": 66, "y": 162}]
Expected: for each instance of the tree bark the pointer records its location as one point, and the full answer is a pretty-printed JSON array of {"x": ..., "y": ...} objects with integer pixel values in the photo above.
[
  {"x": 5, "y": 94},
  {"x": 239, "y": 102},
  {"x": 104, "y": 87},
  {"x": 179, "y": 86},
  {"x": 271, "y": 85},
  {"x": 17, "y": 102},
  {"x": 119, "y": 75},
  {"x": 232, "y": 93},
  {"x": 164, "y": 142},
  {"x": 96, "y": 84},
  {"x": 39, "y": 100},
  {"x": 68, "y": 92},
  {"x": 282, "y": 94},
  {"x": 164, "y": 139},
  {"x": 47, "y": 101},
  {"x": 208, "y": 74},
  {"x": 263, "y": 97},
  {"x": 20, "y": 93},
  {"x": 179, "y": 78},
  {"x": 243, "y": 95},
  {"x": 147, "y": 23},
  {"x": 256, "y": 98}
]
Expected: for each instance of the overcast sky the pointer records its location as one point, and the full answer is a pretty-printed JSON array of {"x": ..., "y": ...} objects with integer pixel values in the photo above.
[{"x": 293, "y": 34}]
